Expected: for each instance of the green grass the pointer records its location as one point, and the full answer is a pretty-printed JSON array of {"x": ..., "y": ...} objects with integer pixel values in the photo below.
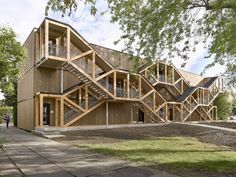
[{"x": 177, "y": 152}]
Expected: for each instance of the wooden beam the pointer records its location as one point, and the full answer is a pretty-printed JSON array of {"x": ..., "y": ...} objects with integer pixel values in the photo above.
[
  {"x": 94, "y": 65},
  {"x": 41, "y": 110},
  {"x": 62, "y": 112},
  {"x": 104, "y": 75},
  {"x": 68, "y": 44},
  {"x": 56, "y": 113},
  {"x": 73, "y": 104},
  {"x": 46, "y": 38},
  {"x": 57, "y": 24},
  {"x": 80, "y": 116},
  {"x": 81, "y": 55}
]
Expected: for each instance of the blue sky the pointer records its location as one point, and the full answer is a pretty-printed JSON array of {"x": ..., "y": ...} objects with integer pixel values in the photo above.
[{"x": 24, "y": 15}]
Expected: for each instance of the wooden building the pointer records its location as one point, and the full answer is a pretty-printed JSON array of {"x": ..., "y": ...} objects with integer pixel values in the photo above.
[{"x": 67, "y": 81}]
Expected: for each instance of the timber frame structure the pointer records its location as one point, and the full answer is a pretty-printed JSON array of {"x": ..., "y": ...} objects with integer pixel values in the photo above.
[{"x": 67, "y": 81}]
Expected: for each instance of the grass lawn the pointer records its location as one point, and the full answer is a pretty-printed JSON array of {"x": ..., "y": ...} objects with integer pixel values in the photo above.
[{"x": 177, "y": 152}]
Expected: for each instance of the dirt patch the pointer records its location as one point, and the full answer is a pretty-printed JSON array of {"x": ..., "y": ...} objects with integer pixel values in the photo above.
[
  {"x": 221, "y": 124},
  {"x": 207, "y": 135}
]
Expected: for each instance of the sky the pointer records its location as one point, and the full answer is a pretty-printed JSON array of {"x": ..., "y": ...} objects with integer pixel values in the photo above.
[{"x": 24, "y": 15}]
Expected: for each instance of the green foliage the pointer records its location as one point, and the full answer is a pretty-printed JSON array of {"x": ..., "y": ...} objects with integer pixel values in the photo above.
[
  {"x": 223, "y": 104},
  {"x": 5, "y": 110},
  {"x": 153, "y": 28},
  {"x": 11, "y": 54},
  {"x": 175, "y": 152}
]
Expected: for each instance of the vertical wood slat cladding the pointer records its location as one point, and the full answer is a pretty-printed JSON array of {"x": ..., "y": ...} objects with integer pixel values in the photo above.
[
  {"x": 119, "y": 113},
  {"x": 25, "y": 114}
]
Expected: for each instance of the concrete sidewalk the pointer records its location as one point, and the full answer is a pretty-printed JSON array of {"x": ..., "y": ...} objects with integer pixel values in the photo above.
[{"x": 25, "y": 154}]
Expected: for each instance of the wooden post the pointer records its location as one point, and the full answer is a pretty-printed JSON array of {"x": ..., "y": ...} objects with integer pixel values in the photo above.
[
  {"x": 68, "y": 44},
  {"x": 165, "y": 73},
  {"x": 158, "y": 71},
  {"x": 41, "y": 50},
  {"x": 80, "y": 96},
  {"x": 173, "y": 75},
  {"x": 56, "y": 113},
  {"x": 94, "y": 65},
  {"x": 132, "y": 114},
  {"x": 62, "y": 81},
  {"x": 140, "y": 87},
  {"x": 128, "y": 85},
  {"x": 154, "y": 101},
  {"x": 41, "y": 110},
  {"x": 181, "y": 113},
  {"x": 62, "y": 112},
  {"x": 107, "y": 114},
  {"x": 86, "y": 97},
  {"x": 36, "y": 111},
  {"x": 46, "y": 37},
  {"x": 114, "y": 83},
  {"x": 166, "y": 113}
]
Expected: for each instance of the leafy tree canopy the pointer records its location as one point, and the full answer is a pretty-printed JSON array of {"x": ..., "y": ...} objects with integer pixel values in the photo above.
[
  {"x": 11, "y": 54},
  {"x": 224, "y": 105},
  {"x": 154, "y": 28}
]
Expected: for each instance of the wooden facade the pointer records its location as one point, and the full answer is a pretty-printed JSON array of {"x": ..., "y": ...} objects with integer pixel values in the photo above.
[{"x": 67, "y": 81}]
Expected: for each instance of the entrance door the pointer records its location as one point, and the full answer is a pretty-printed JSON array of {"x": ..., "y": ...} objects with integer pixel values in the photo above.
[
  {"x": 46, "y": 114},
  {"x": 140, "y": 116},
  {"x": 171, "y": 114}
]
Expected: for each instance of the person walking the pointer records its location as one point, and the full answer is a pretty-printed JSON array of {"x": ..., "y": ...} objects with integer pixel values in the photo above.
[{"x": 7, "y": 119}]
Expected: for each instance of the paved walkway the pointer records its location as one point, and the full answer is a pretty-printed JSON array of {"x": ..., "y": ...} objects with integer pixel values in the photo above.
[
  {"x": 25, "y": 154},
  {"x": 212, "y": 126}
]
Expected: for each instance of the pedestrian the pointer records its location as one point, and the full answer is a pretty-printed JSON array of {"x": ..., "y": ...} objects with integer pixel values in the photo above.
[{"x": 7, "y": 119}]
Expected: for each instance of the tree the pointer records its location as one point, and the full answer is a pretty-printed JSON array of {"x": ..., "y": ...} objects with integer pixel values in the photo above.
[
  {"x": 224, "y": 105},
  {"x": 11, "y": 55},
  {"x": 153, "y": 28}
]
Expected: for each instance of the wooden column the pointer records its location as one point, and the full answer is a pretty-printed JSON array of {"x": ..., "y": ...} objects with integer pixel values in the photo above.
[
  {"x": 173, "y": 75},
  {"x": 86, "y": 97},
  {"x": 165, "y": 73},
  {"x": 41, "y": 110},
  {"x": 181, "y": 113},
  {"x": 114, "y": 83},
  {"x": 56, "y": 113},
  {"x": 94, "y": 65},
  {"x": 80, "y": 96},
  {"x": 107, "y": 114},
  {"x": 36, "y": 109},
  {"x": 140, "y": 87},
  {"x": 154, "y": 101},
  {"x": 128, "y": 85},
  {"x": 46, "y": 37},
  {"x": 62, "y": 80},
  {"x": 166, "y": 113},
  {"x": 158, "y": 71},
  {"x": 62, "y": 112},
  {"x": 41, "y": 43},
  {"x": 68, "y": 44},
  {"x": 132, "y": 114}
]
